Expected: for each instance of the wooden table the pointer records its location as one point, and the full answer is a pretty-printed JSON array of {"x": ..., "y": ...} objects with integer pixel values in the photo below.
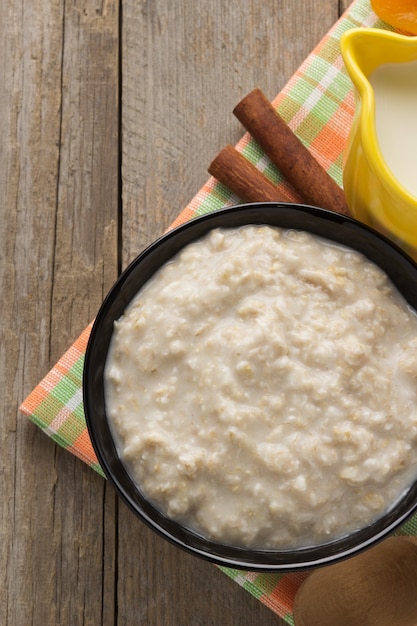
[{"x": 110, "y": 113}]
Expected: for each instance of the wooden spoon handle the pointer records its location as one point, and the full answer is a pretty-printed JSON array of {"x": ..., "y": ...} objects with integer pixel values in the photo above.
[{"x": 375, "y": 588}]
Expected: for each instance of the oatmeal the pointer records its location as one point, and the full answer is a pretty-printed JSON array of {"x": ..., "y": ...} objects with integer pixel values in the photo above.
[{"x": 262, "y": 389}]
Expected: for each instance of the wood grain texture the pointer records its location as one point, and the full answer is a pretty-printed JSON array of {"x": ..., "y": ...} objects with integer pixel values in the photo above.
[
  {"x": 110, "y": 113},
  {"x": 59, "y": 198},
  {"x": 378, "y": 587},
  {"x": 185, "y": 66}
]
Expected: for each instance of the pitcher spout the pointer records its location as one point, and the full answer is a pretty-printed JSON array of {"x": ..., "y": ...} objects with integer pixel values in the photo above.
[{"x": 383, "y": 68}]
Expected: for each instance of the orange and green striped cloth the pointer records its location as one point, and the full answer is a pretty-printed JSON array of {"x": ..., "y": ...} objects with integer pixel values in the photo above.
[{"x": 318, "y": 104}]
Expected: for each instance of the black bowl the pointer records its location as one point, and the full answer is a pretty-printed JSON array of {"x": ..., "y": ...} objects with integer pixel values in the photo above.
[{"x": 399, "y": 267}]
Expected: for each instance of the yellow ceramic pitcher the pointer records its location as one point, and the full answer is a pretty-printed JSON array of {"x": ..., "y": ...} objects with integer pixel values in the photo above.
[{"x": 375, "y": 196}]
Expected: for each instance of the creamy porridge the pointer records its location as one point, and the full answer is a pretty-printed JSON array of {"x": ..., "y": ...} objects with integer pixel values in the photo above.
[{"x": 262, "y": 388}]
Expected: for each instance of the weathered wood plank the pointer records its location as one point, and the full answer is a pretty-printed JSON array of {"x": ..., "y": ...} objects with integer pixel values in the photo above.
[
  {"x": 185, "y": 66},
  {"x": 85, "y": 266},
  {"x": 59, "y": 201},
  {"x": 28, "y": 189}
]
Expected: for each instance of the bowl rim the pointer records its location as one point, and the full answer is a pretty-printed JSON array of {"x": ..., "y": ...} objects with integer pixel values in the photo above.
[{"x": 278, "y": 214}]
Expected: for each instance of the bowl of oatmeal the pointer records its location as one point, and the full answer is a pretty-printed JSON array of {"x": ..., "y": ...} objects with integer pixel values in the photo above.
[{"x": 250, "y": 386}]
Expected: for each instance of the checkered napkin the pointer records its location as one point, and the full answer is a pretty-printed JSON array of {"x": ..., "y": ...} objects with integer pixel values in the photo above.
[{"x": 318, "y": 104}]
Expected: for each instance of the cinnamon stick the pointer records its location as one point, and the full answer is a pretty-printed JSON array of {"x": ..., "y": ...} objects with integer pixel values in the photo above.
[
  {"x": 288, "y": 153},
  {"x": 232, "y": 169}
]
